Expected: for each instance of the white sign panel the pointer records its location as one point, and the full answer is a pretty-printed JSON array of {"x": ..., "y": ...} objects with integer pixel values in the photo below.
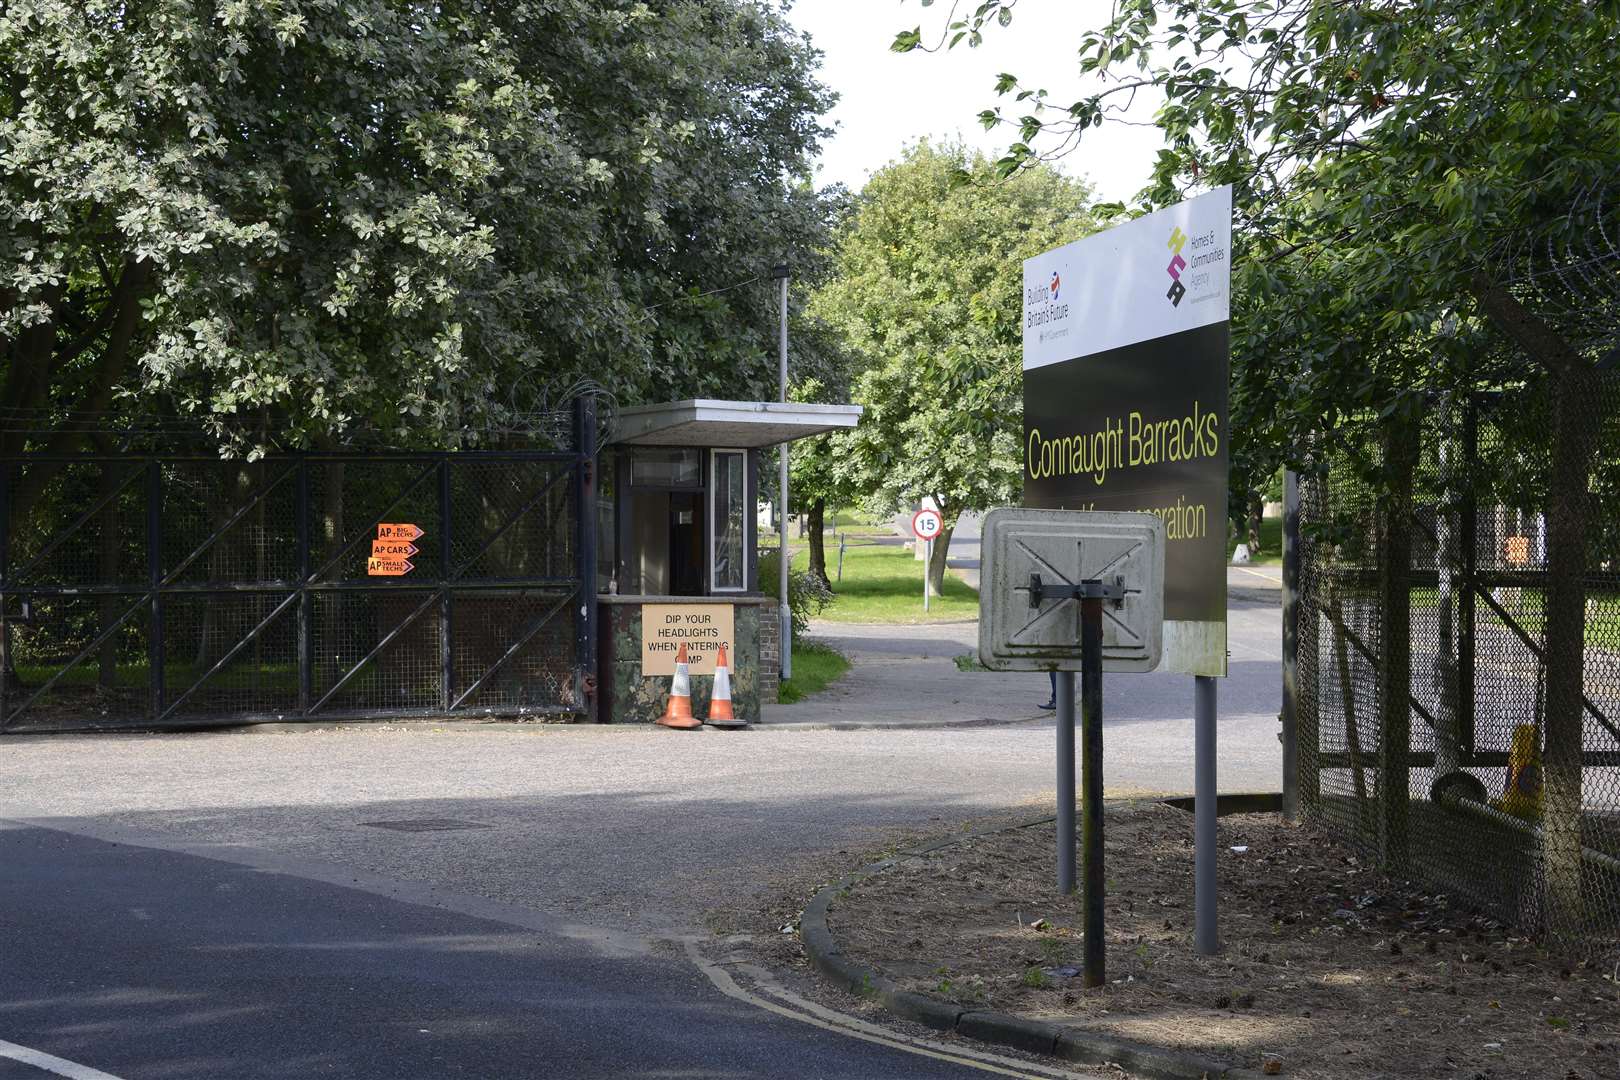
[{"x": 1116, "y": 288}]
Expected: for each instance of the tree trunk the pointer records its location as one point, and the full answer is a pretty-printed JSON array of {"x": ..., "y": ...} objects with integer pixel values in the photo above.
[
  {"x": 936, "y": 566},
  {"x": 1575, "y": 422},
  {"x": 1256, "y": 507},
  {"x": 1575, "y": 426},
  {"x": 818, "y": 545}
]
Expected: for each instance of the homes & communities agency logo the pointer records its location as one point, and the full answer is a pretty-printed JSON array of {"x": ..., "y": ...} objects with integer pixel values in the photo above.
[
  {"x": 1178, "y": 240},
  {"x": 1191, "y": 273}
]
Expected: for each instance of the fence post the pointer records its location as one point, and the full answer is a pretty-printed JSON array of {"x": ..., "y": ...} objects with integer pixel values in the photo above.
[
  {"x": 1290, "y": 643},
  {"x": 7, "y": 662},
  {"x": 447, "y": 669},
  {"x": 306, "y": 634},
  {"x": 154, "y": 574},
  {"x": 1468, "y": 544},
  {"x": 585, "y": 680},
  {"x": 1401, "y": 444},
  {"x": 1307, "y": 652}
]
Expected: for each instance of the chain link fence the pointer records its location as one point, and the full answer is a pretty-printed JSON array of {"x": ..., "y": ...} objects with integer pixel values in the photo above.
[
  {"x": 1438, "y": 731},
  {"x": 167, "y": 591}
]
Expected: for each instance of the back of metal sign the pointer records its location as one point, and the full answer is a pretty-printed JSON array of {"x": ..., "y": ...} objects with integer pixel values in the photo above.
[{"x": 1023, "y": 626}]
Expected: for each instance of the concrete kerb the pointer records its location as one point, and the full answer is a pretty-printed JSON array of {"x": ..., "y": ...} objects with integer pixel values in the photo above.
[{"x": 1003, "y": 1029}]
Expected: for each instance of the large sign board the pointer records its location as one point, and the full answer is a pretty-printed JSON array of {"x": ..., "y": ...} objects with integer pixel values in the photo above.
[
  {"x": 1125, "y": 397},
  {"x": 702, "y": 627},
  {"x": 1032, "y": 558}
]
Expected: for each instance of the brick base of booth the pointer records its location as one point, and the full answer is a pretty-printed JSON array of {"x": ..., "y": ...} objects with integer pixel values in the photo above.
[{"x": 770, "y": 652}]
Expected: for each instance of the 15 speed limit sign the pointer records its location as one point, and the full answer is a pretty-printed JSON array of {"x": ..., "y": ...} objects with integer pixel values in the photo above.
[{"x": 927, "y": 524}]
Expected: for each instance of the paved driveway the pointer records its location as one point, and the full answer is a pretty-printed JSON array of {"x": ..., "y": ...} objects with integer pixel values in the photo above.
[{"x": 598, "y": 842}]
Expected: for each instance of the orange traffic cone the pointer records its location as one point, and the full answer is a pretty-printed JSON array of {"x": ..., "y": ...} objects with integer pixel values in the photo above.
[
  {"x": 720, "y": 714},
  {"x": 678, "y": 713}
]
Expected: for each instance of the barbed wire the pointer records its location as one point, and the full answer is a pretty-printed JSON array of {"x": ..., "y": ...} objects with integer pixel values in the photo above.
[{"x": 1570, "y": 269}]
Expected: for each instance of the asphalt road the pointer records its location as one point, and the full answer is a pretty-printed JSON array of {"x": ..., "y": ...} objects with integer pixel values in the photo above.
[
  {"x": 154, "y": 965},
  {"x": 509, "y": 900}
]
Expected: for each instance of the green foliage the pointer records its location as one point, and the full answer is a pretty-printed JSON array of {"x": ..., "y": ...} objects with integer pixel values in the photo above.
[
  {"x": 1386, "y": 160},
  {"x": 1035, "y": 979},
  {"x": 925, "y": 294},
  {"x": 808, "y": 595},
  {"x": 815, "y": 667},
  {"x": 304, "y": 220}
]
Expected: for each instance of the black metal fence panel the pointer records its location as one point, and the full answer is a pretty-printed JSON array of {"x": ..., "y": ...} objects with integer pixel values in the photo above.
[
  {"x": 1426, "y": 698},
  {"x": 161, "y": 592}
]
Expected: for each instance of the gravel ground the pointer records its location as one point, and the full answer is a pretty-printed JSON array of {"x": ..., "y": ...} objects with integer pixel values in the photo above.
[{"x": 1329, "y": 968}]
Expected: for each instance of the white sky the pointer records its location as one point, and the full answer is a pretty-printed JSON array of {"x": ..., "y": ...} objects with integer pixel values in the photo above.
[{"x": 890, "y": 99}]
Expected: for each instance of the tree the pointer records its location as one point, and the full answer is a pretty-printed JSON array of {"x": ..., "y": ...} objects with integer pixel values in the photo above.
[
  {"x": 1390, "y": 160},
  {"x": 314, "y": 223},
  {"x": 308, "y": 221},
  {"x": 925, "y": 294}
]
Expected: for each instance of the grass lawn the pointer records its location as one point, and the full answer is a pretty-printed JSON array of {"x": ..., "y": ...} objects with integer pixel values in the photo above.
[
  {"x": 853, "y": 524},
  {"x": 1270, "y": 553},
  {"x": 884, "y": 584},
  {"x": 815, "y": 666}
]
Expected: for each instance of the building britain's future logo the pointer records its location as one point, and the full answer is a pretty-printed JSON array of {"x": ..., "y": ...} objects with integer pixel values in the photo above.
[
  {"x": 1178, "y": 240},
  {"x": 1053, "y": 286}
]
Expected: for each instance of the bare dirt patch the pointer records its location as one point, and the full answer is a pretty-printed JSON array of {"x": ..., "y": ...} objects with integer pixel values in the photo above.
[{"x": 1329, "y": 967}]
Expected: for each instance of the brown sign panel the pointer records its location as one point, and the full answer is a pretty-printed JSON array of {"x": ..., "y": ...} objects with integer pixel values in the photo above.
[
  {"x": 402, "y": 530},
  {"x": 703, "y": 627},
  {"x": 377, "y": 567}
]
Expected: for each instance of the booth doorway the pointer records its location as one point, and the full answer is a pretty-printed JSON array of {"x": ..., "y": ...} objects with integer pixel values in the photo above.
[
  {"x": 669, "y": 542},
  {"x": 686, "y": 545}
]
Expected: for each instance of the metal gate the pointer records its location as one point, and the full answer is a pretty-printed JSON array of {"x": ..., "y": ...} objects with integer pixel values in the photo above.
[{"x": 167, "y": 591}]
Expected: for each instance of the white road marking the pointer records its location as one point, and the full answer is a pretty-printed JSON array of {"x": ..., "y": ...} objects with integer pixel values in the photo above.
[
  {"x": 54, "y": 1065},
  {"x": 852, "y": 1028}
]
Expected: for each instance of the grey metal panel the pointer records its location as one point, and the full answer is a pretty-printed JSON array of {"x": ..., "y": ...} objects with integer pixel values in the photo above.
[
  {"x": 733, "y": 424},
  {"x": 1066, "y": 547}
]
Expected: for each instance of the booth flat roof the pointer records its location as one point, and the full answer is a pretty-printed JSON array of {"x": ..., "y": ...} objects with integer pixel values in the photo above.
[{"x": 738, "y": 424}]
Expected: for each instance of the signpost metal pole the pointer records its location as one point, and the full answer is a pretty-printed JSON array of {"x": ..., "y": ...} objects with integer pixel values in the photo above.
[
  {"x": 784, "y": 614},
  {"x": 1091, "y": 820},
  {"x": 928, "y": 560},
  {"x": 1206, "y": 935},
  {"x": 1065, "y": 781}
]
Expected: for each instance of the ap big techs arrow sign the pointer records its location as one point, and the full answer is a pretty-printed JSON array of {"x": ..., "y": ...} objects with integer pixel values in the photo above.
[{"x": 391, "y": 551}]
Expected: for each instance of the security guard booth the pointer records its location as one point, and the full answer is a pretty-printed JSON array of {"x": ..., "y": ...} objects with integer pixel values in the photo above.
[{"x": 678, "y": 556}]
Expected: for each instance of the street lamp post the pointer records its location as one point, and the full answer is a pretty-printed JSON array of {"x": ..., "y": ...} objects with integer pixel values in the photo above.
[{"x": 783, "y": 613}]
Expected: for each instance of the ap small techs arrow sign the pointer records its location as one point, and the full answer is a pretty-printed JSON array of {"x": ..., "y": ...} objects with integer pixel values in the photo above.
[{"x": 383, "y": 567}]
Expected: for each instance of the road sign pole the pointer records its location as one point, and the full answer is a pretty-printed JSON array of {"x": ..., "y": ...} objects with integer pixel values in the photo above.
[
  {"x": 1065, "y": 781},
  {"x": 928, "y": 560},
  {"x": 1091, "y": 752},
  {"x": 1206, "y": 935}
]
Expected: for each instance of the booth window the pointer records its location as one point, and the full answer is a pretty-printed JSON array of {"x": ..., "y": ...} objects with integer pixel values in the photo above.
[
  {"x": 666, "y": 468},
  {"x": 727, "y": 494}
]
